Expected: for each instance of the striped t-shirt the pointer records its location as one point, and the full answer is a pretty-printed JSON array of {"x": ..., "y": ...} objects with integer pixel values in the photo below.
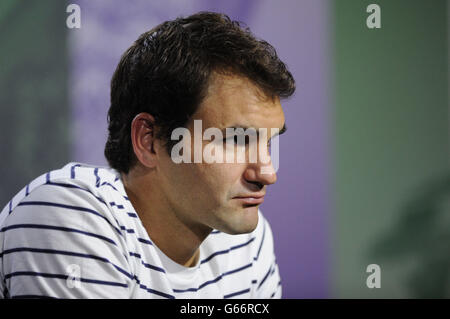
[{"x": 73, "y": 233}]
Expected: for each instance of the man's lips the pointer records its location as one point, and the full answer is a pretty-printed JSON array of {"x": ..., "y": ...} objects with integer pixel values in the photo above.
[{"x": 250, "y": 199}]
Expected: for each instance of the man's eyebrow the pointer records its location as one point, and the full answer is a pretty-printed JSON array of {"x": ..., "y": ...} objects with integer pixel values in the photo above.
[{"x": 235, "y": 127}]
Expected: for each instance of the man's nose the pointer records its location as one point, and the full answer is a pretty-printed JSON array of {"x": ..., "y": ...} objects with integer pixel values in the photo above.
[{"x": 261, "y": 173}]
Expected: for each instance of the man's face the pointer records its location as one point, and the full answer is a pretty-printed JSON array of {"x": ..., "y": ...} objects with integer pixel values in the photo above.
[{"x": 210, "y": 195}]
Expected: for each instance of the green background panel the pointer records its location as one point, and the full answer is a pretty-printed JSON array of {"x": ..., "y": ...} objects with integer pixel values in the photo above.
[
  {"x": 33, "y": 92},
  {"x": 391, "y": 146}
]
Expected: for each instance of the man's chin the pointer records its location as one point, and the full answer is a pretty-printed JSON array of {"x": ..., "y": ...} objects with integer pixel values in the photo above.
[{"x": 243, "y": 220}]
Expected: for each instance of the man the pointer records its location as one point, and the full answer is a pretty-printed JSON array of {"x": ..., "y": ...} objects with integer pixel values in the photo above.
[{"x": 150, "y": 226}]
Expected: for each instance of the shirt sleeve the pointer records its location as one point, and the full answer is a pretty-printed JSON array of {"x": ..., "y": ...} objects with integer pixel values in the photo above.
[
  {"x": 61, "y": 243},
  {"x": 268, "y": 282}
]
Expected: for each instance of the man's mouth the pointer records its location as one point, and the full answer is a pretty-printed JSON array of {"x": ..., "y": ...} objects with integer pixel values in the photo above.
[{"x": 251, "y": 200}]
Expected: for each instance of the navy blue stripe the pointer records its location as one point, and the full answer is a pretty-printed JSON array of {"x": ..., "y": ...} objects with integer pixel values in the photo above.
[
  {"x": 210, "y": 282},
  {"x": 262, "y": 241},
  {"x": 213, "y": 280},
  {"x": 156, "y": 292},
  {"x": 265, "y": 277},
  {"x": 102, "y": 282},
  {"x": 206, "y": 283},
  {"x": 132, "y": 215},
  {"x": 153, "y": 291},
  {"x": 114, "y": 204},
  {"x": 68, "y": 185},
  {"x": 5, "y": 289},
  {"x": 47, "y": 177},
  {"x": 10, "y": 206},
  {"x": 32, "y": 297},
  {"x": 83, "y": 209},
  {"x": 132, "y": 277},
  {"x": 27, "y": 190},
  {"x": 77, "y": 187},
  {"x": 145, "y": 241},
  {"x": 215, "y": 232},
  {"x": 273, "y": 270},
  {"x": 254, "y": 281},
  {"x": 97, "y": 178},
  {"x": 237, "y": 293},
  {"x": 237, "y": 270},
  {"x": 146, "y": 264},
  {"x": 66, "y": 253},
  {"x": 135, "y": 254},
  {"x": 110, "y": 185},
  {"x": 179, "y": 291},
  {"x": 226, "y": 251},
  {"x": 279, "y": 284},
  {"x": 113, "y": 187},
  {"x": 129, "y": 231},
  {"x": 61, "y": 276},
  {"x": 72, "y": 170},
  {"x": 244, "y": 244},
  {"x": 98, "y": 198},
  {"x": 66, "y": 229}
]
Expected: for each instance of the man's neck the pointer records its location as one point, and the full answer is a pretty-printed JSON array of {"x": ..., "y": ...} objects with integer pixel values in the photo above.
[{"x": 177, "y": 238}]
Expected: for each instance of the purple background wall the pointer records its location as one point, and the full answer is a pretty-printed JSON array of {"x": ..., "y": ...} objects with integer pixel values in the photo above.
[{"x": 298, "y": 206}]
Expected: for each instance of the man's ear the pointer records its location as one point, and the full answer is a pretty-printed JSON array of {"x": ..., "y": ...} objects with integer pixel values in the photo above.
[{"x": 143, "y": 139}]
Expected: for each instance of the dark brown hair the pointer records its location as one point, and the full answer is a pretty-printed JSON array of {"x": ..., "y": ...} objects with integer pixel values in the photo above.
[{"x": 166, "y": 72}]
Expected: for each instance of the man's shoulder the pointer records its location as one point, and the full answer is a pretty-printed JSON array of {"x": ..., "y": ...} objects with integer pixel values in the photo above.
[
  {"x": 60, "y": 220},
  {"x": 75, "y": 184},
  {"x": 90, "y": 176}
]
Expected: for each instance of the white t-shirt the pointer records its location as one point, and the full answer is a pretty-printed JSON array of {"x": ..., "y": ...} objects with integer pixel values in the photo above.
[{"x": 73, "y": 233}]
